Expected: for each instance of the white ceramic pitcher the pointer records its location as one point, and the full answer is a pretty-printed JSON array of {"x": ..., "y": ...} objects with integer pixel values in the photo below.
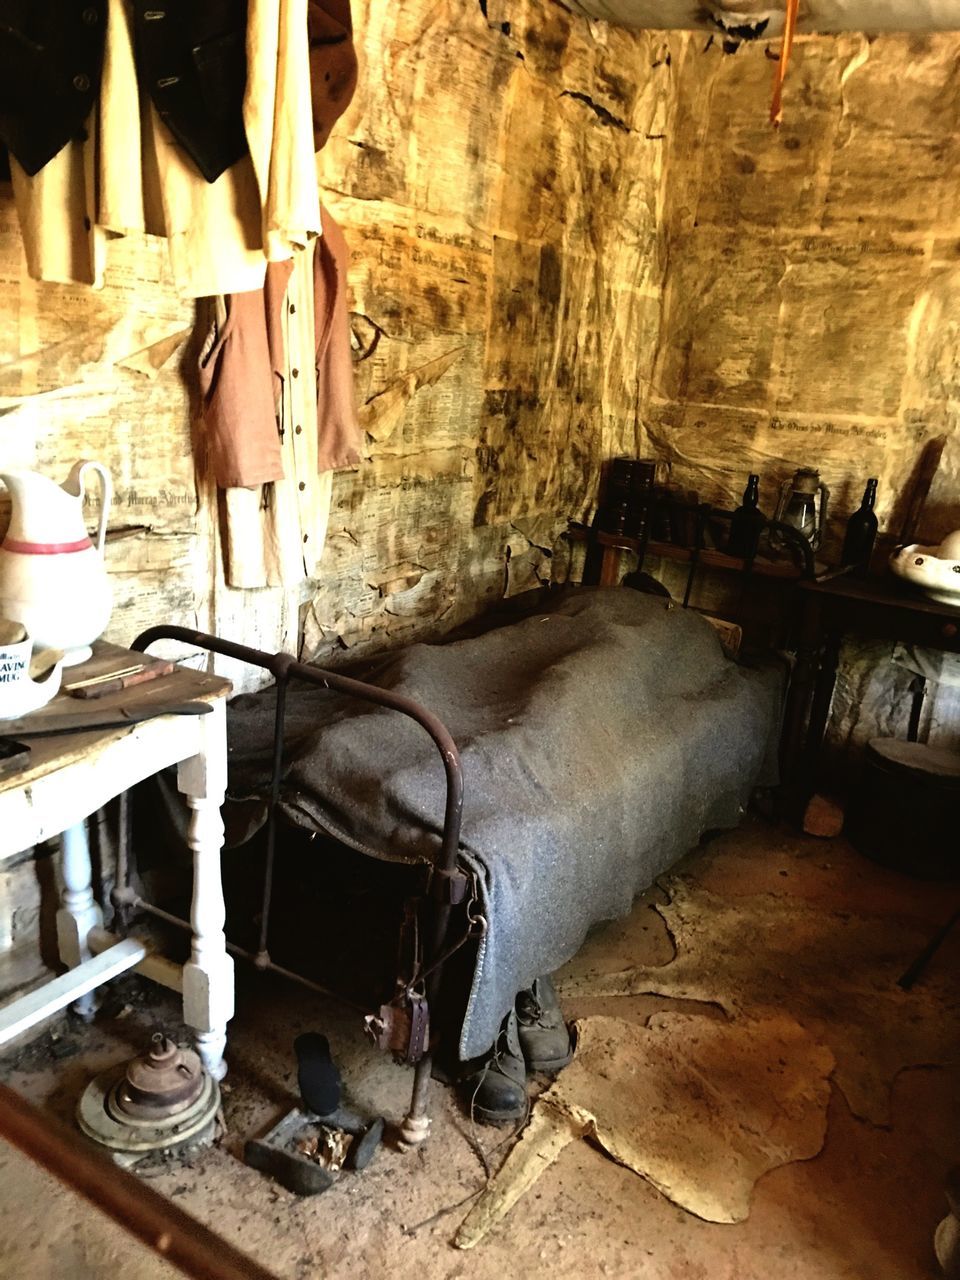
[{"x": 52, "y": 577}]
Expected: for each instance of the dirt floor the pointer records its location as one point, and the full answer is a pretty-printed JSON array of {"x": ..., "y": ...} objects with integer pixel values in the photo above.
[{"x": 864, "y": 1208}]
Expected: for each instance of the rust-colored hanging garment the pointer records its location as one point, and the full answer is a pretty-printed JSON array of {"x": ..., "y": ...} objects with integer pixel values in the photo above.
[
  {"x": 277, "y": 371},
  {"x": 333, "y": 64},
  {"x": 776, "y": 106},
  {"x": 276, "y": 375},
  {"x": 244, "y": 377}
]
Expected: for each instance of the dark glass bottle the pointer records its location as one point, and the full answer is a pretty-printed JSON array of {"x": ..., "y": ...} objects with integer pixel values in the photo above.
[
  {"x": 747, "y": 523},
  {"x": 613, "y": 515},
  {"x": 661, "y": 522},
  {"x": 861, "y": 533},
  {"x": 641, "y": 494}
]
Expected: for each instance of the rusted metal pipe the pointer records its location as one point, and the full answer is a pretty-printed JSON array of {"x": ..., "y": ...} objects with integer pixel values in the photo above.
[
  {"x": 281, "y": 664},
  {"x": 276, "y": 778},
  {"x": 135, "y": 903},
  {"x": 143, "y": 1212}
]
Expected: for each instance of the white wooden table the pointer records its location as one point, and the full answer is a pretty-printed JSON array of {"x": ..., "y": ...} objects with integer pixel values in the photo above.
[{"x": 67, "y": 779}]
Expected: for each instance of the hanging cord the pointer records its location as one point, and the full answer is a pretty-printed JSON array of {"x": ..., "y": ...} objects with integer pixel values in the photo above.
[
  {"x": 482, "y": 1153},
  {"x": 476, "y": 928},
  {"x": 276, "y": 779},
  {"x": 776, "y": 106}
]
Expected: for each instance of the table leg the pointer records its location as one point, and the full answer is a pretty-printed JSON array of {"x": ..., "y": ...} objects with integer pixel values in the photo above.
[
  {"x": 819, "y": 713},
  {"x": 799, "y": 695},
  {"x": 610, "y": 567},
  {"x": 208, "y": 975},
  {"x": 79, "y": 912}
]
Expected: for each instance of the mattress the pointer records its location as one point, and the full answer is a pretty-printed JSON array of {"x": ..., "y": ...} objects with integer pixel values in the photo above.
[{"x": 600, "y": 737}]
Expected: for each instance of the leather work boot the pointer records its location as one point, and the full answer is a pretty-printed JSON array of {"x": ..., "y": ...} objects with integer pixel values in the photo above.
[
  {"x": 496, "y": 1093},
  {"x": 544, "y": 1038}
]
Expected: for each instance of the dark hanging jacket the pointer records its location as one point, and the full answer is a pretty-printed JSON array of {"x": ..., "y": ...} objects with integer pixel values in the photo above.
[
  {"x": 51, "y": 56},
  {"x": 191, "y": 59}
]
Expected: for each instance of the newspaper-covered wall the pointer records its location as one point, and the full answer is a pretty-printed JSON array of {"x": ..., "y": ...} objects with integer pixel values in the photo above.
[
  {"x": 810, "y": 313},
  {"x": 568, "y": 241},
  {"x": 812, "y": 299},
  {"x": 498, "y": 178}
]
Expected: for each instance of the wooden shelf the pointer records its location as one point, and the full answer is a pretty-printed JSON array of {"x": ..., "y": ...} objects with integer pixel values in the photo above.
[{"x": 709, "y": 557}]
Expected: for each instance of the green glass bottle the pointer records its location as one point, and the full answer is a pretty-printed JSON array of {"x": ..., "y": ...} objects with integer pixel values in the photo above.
[
  {"x": 747, "y": 523},
  {"x": 861, "y": 533}
]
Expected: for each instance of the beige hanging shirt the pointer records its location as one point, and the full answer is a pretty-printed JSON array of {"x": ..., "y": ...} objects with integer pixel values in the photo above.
[{"x": 129, "y": 175}]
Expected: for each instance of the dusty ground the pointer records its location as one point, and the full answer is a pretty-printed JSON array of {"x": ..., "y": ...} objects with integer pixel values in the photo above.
[{"x": 865, "y": 1208}]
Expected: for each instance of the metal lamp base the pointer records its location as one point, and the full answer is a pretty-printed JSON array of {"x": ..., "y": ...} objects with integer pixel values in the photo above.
[{"x": 141, "y": 1108}]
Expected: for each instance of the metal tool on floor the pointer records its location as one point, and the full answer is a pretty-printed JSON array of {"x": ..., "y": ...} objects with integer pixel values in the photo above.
[
  {"x": 162, "y": 1100},
  {"x": 915, "y": 971}
]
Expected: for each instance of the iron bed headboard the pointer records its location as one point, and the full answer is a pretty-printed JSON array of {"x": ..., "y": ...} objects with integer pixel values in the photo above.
[{"x": 448, "y": 883}]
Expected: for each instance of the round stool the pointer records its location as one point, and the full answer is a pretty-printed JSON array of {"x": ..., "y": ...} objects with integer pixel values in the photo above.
[{"x": 905, "y": 810}]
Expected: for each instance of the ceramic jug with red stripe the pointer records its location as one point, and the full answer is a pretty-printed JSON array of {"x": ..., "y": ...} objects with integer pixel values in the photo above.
[{"x": 52, "y": 577}]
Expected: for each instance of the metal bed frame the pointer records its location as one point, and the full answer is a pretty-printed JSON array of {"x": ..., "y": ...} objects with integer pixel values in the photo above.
[{"x": 403, "y": 1025}]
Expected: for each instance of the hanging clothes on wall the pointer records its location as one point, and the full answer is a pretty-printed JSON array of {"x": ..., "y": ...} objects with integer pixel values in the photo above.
[
  {"x": 247, "y": 374},
  {"x": 276, "y": 376},
  {"x": 333, "y": 64},
  {"x": 189, "y": 119},
  {"x": 276, "y": 369}
]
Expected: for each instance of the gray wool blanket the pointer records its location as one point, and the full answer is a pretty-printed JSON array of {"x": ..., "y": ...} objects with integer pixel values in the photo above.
[{"x": 600, "y": 738}]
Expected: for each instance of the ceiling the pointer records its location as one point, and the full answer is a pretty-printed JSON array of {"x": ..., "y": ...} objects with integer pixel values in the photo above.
[{"x": 815, "y": 15}]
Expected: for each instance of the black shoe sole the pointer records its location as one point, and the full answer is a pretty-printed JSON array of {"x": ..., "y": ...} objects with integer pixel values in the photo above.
[
  {"x": 497, "y": 1117},
  {"x": 549, "y": 1067}
]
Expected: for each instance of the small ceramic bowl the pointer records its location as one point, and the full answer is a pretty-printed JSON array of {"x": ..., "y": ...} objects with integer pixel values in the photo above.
[{"x": 928, "y": 569}]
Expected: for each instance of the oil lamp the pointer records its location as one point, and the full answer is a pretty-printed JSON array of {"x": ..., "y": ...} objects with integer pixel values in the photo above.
[{"x": 803, "y": 504}]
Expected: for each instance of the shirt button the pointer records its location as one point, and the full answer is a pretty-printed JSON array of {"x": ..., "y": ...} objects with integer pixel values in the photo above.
[
  {"x": 294, "y": 373},
  {"x": 301, "y": 486},
  {"x": 81, "y": 83},
  {"x": 306, "y": 537},
  {"x": 293, "y": 309},
  {"x": 298, "y": 428},
  {"x": 90, "y": 17}
]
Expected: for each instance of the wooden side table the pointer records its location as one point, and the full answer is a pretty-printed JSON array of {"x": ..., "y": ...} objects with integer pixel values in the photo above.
[
  {"x": 880, "y": 608},
  {"x": 70, "y": 777},
  {"x": 612, "y": 546}
]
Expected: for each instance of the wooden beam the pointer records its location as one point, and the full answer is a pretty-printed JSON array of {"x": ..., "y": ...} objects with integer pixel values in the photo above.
[{"x": 32, "y": 1008}]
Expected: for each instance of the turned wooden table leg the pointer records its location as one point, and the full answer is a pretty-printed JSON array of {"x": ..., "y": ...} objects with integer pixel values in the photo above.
[
  {"x": 610, "y": 567},
  {"x": 208, "y": 975},
  {"x": 819, "y": 714},
  {"x": 799, "y": 698},
  {"x": 79, "y": 912}
]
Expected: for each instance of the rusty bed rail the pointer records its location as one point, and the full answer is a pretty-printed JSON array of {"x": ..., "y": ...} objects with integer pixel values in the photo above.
[{"x": 447, "y": 881}]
